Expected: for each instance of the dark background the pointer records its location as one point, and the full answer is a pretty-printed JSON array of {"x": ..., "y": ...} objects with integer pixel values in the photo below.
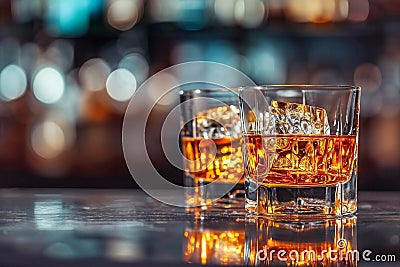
[{"x": 72, "y": 138}]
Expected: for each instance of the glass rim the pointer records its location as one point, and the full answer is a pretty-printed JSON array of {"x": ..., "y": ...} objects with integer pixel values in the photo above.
[{"x": 302, "y": 87}]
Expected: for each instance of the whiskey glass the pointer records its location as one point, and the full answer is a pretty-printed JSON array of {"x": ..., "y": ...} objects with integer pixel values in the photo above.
[
  {"x": 212, "y": 150},
  {"x": 300, "y": 146}
]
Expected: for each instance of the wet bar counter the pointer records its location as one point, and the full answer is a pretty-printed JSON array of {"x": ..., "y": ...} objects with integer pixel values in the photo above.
[{"x": 53, "y": 227}]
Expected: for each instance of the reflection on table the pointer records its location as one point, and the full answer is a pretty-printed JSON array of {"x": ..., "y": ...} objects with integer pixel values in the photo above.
[
  {"x": 49, "y": 227},
  {"x": 331, "y": 242},
  {"x": 270, "y": 242},
  {"x": 211, "y": 243}
]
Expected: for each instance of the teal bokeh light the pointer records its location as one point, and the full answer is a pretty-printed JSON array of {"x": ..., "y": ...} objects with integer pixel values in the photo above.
[{"x": 70, "y": 18}]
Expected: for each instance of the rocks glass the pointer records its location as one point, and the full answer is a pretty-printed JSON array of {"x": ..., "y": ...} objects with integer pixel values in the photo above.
[
  {"x": 300, "y": 145},
  {"x": 211, "y": 145}
]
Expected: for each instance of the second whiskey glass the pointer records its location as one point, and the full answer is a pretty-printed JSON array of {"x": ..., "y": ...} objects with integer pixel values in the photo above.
[{"x": 212, "y": 149}]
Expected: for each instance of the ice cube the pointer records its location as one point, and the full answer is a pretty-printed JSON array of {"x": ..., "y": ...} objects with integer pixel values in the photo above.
[
  {"x": 218, "y": 122},
  {"x": 294, "y": 118}
]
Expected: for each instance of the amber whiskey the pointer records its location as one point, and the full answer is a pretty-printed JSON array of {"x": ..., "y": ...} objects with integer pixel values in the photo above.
[
  {"x": 299, "y": 160},
  {"x": 210, "y": 159}
]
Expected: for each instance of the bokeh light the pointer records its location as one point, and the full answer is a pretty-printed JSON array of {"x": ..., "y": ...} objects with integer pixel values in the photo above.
[
  {"x": 222, "y": 52},
  {"x": 387, "y": 154},
  {"x": 48, "y": 139},
  {"x": 67, "y": 18},
  {"x": 121, "y": 84},
  {"x": 358, "y": 10},
  {"x": 163, "y": 80},
  {"x": 368, "y": 76},
  {"x": 342, "y": 10},
  {"x": 225, "y": 11},
  {"x": 136, "y": 64},
  {"x": 13, "y": 82},
  {"x": 249, "y": 13},
  {"x": 93, "y": 74},
  {"x": 124, "y": 14},
  {"x": 48, "y": 85},
  {"x": 192, "y": 15},
  {"x": 162, "y": 11},
  {"x": 267, "y": 65},
  {"x": 317, "y": 11}
]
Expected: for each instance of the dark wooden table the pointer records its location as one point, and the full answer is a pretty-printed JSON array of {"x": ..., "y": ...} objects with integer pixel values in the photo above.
[{"x": 53, "y": 227}]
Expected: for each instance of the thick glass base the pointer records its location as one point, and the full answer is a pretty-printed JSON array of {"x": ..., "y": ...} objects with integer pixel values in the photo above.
[
  {"x": 300, "y": 201},
  {"x": 205, "y": 195}
]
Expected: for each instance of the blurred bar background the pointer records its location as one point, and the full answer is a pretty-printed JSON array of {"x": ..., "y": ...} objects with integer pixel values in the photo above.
[{"x": 69, "y": 68}]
